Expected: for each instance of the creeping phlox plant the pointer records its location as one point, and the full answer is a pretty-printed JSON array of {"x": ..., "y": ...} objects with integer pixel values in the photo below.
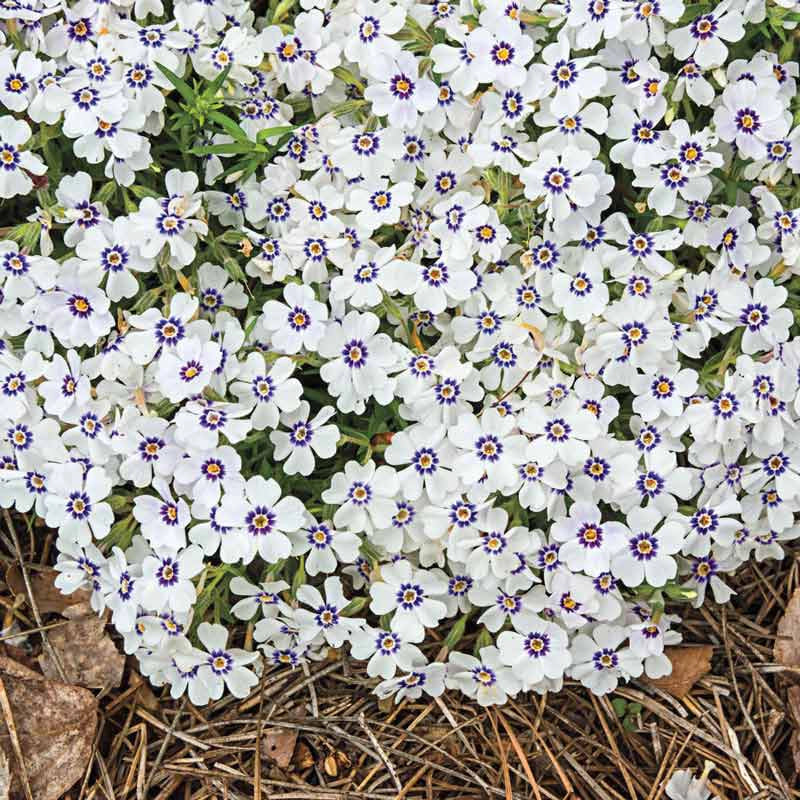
[{"x": 390, "y": 326}]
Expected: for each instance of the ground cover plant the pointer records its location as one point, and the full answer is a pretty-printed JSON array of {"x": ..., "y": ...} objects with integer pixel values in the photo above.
[{"x": 463, "y": 338}]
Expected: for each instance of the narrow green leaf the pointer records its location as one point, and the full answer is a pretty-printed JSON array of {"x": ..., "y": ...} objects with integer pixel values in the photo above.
[
  {"x": 215, "y": 85},
  {"x": 179, "y": 83},
  {"x": 229, "y": 126},
  {"x": 268, "y": 133},
  {"x": 228, "y": 148}
]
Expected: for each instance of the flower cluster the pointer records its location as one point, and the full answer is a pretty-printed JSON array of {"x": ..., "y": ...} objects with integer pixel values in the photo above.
[{"x": 386, "y": 324}]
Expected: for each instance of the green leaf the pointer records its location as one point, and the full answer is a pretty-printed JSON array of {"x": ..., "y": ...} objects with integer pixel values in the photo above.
[
  {"x": 228, "y": 148},
  {"x": 484, "y": 639},
  {"x": 456, "y": 632},
  {"x": 619, "y": 704},
  {"x": 140, "y": 192},
  {"x": 282, "y": 11},
  {"x": 355, "y": 606},
  {"x": 179, "y": 83},
  {"x": 229, "y": 126},
  {"x": 215, "y": 85},
  {"x": 268, "y": 133},
  {"x": 299, "y": 576}
]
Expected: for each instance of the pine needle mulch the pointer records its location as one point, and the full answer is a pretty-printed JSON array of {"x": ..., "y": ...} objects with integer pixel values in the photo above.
[{"x": 319, "y": 734}]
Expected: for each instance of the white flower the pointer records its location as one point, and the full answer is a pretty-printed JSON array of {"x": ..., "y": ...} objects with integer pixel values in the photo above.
[
  {"x": 163, "y": 519},
  {"x": 761, "y": 313},
  {"x": 267, "y": 391},
  {"x": 299, "y": 323},
  {"x": 153, "y": 331},
  {"x": 564, "y": 429},
  {"x": 359, "y": 359},
  {"x": 106, "y": 250},
  {"x": 375, "y": 22},
  {"x": 364, "y": 495},
  {"x": 411, "y": 597},
  {"x": 427, "y": 679},
  {"x": 703, "y": 38},
  {"x": 380, "y": 203},
  {"x": 148, "y": 448},
  {"x": 170, "y": 222},
  {"x": 186, "y": 369},
  {"x": 486, "y": 679},
  {"x": 648, "y": 555},
  {"x": 490, "y": 452},
  {"x": 501, "y": 54},
  {"x": 203, "y": 476},
  {"x": 166, "y": 581},
  {"x": 119, "y": 579},
  {"x": 663, "y": 393},
  {"x": 324, "y": 616},
  {"x": 226, "y": 665},
  {"x": 306, "y": 439},
  {"x": 558, "y": 179},
  {"x": 435, "y": 287},
  {"x": 64, "y": 389},
  {"x": 582, "y": 293},
  {"x": 384, "y": 652},
  {"x": 588, "y": 543},
  {"x": 598, "y": 660},
  {"x": 428, "y": 454},
  {"x": 684, "y": 786},
  {"x": 261, "y": 519},
  {"x": 539, "y": 652},
  {"x": 15, "y": 163},
  {"x": 572, "y": 79},
  {"x": 77, "y": 311},
  {"x": 75, "y": 503},
  {"x": 324, "y": 547},
  {"x": 366, "y": 277},
  {"x": 217, "y": 290},
  {"x": 751, "y": 118},
  {"x": 265, "y": 596},
  {"x": 199, "y": 424},
  {"x": 399, "y": 93}
]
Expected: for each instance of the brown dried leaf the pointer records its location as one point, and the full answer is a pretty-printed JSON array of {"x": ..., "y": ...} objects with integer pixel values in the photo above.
[
  {"x": 5, "y": 777},
  {"x": 794, "y": 743},
  {"x": 793, "y": 698},
  {"x": 277, "y": 744},
  {"x": 331, "y": 766},
  {"x": 689, "y": 664},
  {"x": 787, "y": 641},
  {"x": 144, "y": 694},
  {"x": 86, "y": 652},
  {"x": 55, "y": 723},
  {"x": 303, "y": 757},
  {"x": 48, "y": 598}
]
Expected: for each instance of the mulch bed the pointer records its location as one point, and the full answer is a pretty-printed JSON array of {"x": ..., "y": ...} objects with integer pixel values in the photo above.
[{"x": 322, "y": 735}]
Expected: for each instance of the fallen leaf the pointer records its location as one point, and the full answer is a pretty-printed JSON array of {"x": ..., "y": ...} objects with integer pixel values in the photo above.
[
  {"x": 48, "y": 598},
  {"x": 277, "y": 744},
  {"x": 793, "y": 698},
  {"x": 303, "y": 757},
  {"x": 85, "y": 650},
  {"x": 331, "y": 766},
  {"x": 144, "y": 694},
  {"x": 5, "y": 777},
  {"x": 55, "y": 724},
  {"x": 689, "y": 664},
  {"x": 794, "y": 744},
  {"x": 787, "y": 641},
  {"x": 19, "y": 655}
]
